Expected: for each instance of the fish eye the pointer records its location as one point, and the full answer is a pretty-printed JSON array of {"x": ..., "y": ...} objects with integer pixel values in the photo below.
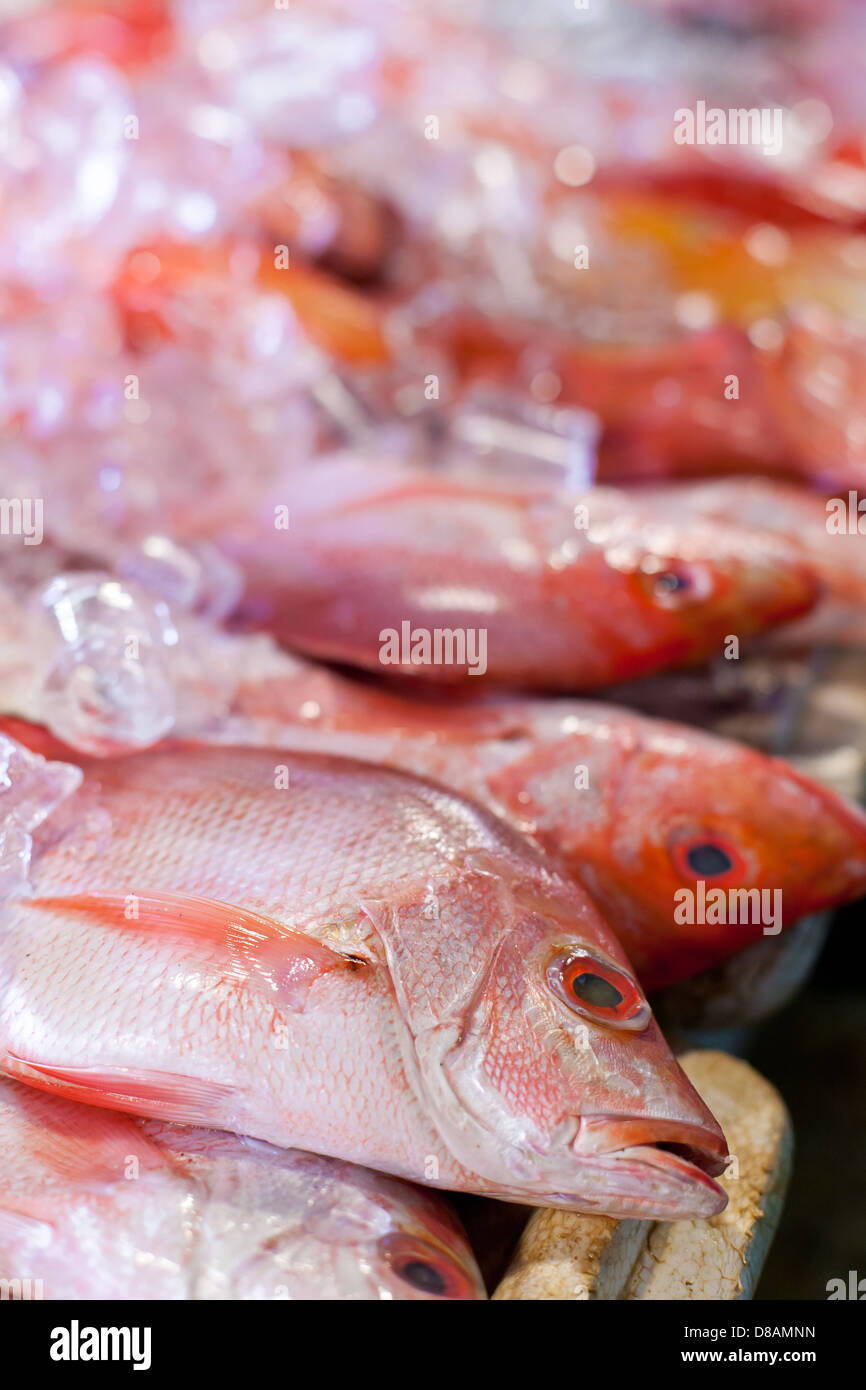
[
  {"x": 706, "y": 855},
  {"x": 423, "y": 1276},
  {"x": 598, "y": 990},
  {"x": 669, "y": 582},
  {"x": 424, "y": 1268},
  {"x": 673, "y": 583},
  {"x": 709, "y": 859}
]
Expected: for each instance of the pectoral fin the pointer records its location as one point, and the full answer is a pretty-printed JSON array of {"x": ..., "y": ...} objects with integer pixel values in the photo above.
[
  {"x": 164, "y": 1095},
  {"x": 252, "y": 949}
]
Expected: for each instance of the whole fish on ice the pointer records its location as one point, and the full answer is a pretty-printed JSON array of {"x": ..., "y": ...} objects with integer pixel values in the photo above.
[
  {"x": 333, "y": 956},
  {"x": 548, "y": 589},
  {"x": 421, "y": 571},
  {"x": 95, "y": 1204}
]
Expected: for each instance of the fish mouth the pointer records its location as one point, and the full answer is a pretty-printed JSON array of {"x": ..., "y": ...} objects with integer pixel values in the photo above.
[{"x": 654, "y": 1168}]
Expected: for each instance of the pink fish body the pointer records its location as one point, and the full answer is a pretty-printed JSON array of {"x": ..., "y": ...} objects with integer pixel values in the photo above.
[
  {"x": 95, "y": 1204},
  {"x": 541, "y": 589},
  {"x": 336, "y": 957}
]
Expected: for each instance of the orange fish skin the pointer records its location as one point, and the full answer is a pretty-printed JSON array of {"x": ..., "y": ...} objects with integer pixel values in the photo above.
[
  {"x": 794, "y": 204},
  {"x": 617, "y": 796},
  {"x": 334, "y": 315},
  {"x": 156, "y": 969},
  {"x": 96, "y": 1204},
  {"x": 571, "y": 591},
  {"x": 666, "y": 792}
]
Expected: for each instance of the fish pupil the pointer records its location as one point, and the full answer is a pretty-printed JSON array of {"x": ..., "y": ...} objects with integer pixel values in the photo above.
[
  {"x": 423, "y": 1276},
  {"x": 708, "y": 860},
  {"x": 593, "y": 989},
  {"x": 670, "y": 582}
]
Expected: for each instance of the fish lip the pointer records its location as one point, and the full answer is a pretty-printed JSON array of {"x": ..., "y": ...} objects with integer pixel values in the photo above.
[
  {"x": 645, "y": 1176},
  {"x": 701, "y": 1149}
]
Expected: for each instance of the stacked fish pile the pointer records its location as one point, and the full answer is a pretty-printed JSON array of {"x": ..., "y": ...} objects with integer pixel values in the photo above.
[{"x": 378, "y": 381}]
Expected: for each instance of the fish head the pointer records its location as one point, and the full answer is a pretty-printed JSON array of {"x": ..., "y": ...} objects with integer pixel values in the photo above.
[
  {"x": 670, "y": 592},
  {"x": 542, "y": 1067},
  {"x": 380, "y": 1238},
  {"x": 424, "y": 1254},
  {"x": 318, "y": 1228},
  {"x": 686, "y": 809}
]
